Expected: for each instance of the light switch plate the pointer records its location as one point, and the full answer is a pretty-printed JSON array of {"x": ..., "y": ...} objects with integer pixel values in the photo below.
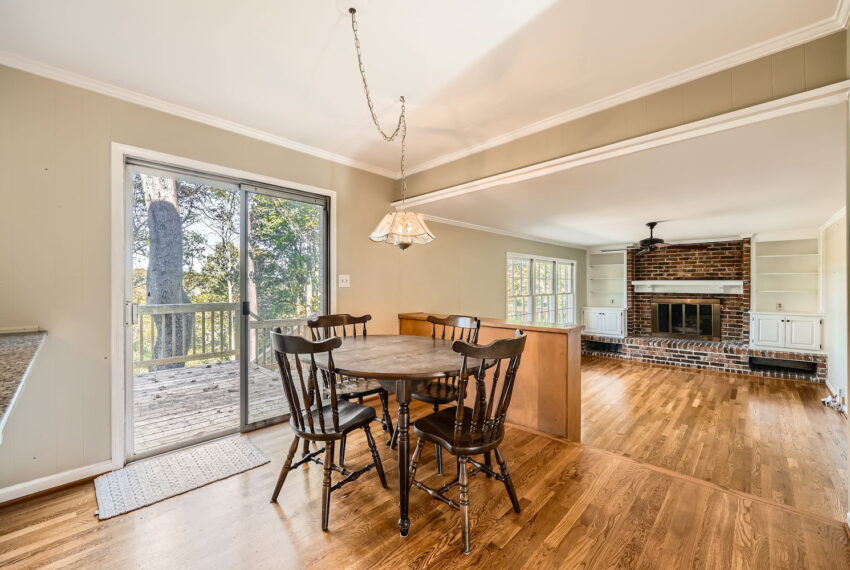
[{"x": 344, "y": 280}]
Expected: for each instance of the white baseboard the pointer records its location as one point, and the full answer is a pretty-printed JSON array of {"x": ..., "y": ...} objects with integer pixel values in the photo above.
[
  {"x": 832, "y": 389},
  {"x": 55, "y": 480}
]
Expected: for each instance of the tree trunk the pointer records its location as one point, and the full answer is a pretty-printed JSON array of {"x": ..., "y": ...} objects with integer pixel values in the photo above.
[{"x": 165, "y": 269}]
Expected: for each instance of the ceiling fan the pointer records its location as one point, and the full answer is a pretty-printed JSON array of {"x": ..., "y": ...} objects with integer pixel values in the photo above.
[{"x": 645, "y": 245}]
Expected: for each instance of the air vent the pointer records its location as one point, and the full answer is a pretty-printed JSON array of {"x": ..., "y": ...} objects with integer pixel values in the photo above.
[{"x": 782, "y": 365}]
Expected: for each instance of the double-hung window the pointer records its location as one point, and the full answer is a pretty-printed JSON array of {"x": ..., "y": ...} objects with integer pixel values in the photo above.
[{"x": 540, "y": 289}]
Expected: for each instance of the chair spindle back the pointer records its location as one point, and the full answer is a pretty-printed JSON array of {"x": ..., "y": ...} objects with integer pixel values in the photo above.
[
  {"x": 344, "y": 325},
  {"x": 458, "y": 327},
  {"x": 296, "y": 358},
  {"x": 495, "y": 363}
]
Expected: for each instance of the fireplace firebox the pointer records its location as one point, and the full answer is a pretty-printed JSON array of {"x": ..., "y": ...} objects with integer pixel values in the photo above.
[{"x": 686, "y": 318}]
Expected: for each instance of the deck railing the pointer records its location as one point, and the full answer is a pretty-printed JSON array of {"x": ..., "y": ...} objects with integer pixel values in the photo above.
[
  {"x": 180, "y": 333},
  {"x": 262, "y": 343}
]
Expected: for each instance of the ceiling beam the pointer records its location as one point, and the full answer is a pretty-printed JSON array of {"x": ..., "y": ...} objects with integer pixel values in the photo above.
[{"x": 834, "y": 94}]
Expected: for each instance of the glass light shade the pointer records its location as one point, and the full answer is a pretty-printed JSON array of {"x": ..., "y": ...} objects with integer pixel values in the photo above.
[{"x": 402, "y": 229}]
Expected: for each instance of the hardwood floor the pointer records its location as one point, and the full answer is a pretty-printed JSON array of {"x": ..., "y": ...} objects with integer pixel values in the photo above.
[
  {"x": 767, "y": 437},
  {"x": 582, "y": 507}
]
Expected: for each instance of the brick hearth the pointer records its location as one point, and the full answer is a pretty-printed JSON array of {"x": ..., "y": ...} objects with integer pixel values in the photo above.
[{"x": 724, "y": 356}]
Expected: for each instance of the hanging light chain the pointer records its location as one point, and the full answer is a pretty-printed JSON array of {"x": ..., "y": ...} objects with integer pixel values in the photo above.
[{"x": 401, "y": 126}]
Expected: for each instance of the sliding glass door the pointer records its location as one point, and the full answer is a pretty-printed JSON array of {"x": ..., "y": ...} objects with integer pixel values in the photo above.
[
  {"x": 214, "y": 263},
  {"x": 285, "y": 281}
]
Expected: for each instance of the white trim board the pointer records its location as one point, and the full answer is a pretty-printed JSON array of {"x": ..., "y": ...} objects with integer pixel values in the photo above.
[
  {"x": 77, "y": 80},
  {"x": 622, "y": 247},
  {"x": 785, "y": 235},
  {"x": 686, "y": 286},
  {"x": 842, "y": 13},
  {"x": 833, "y": 390},
  {"x": 833, "y": 218},
  {"x": 119, "y": 235},
  {"x": 833, "y": 94},
  {"x": 55, "y": 480}
]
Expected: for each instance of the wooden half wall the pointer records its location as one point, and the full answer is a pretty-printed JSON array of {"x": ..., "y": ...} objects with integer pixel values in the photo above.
[{"x": 547, "y": 393}]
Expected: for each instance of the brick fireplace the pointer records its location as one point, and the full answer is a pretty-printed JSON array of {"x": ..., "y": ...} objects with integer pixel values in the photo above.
[
  {"x": 714, "y": 261},
  {"x": 728, "y": 260}
]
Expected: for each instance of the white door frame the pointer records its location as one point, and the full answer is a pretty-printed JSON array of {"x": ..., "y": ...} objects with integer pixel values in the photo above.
[{"x": 119, "y": 261}]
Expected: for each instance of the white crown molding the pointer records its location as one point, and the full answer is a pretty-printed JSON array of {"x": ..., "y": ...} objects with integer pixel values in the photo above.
[
  {"x": 785, "y": 235},
  {"x": 785, "y": 41},
  {"x": 517, "y": 235},
  {"x": 833, "y": 218},
  {"x": 624, "y": 246},
  {"x": 833, "y": 94},
  {"x": 842, "y": 12},
  {"x": 704, "y": 240},
  {"x": 77, "y": 80}
]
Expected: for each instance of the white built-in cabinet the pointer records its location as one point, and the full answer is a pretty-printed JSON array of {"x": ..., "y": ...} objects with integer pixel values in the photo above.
[
  {"x": 786, "y": 331},
  {"x": 604, "y": 321},
  {"x": 786, "y": 276},
  {"x": 606, "y": 280},
  {"x": 786, "y": 295},
  {"x": 605, "y": 312}
]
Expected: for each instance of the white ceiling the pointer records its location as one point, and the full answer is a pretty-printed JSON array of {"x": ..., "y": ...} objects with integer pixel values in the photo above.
[
  {"x": 472, "y": 71},
  {"x": 780, "y": 174}
]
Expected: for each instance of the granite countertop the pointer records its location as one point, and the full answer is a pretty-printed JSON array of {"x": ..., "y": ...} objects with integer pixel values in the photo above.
[{"x": 17, "y": 352}]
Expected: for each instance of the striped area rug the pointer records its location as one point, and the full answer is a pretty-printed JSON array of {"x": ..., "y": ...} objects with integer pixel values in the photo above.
[{"x": 152, "y": 480}]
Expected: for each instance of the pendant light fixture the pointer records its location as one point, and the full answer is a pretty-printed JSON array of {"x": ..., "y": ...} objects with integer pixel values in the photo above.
[{"x": 399, "y": 227}]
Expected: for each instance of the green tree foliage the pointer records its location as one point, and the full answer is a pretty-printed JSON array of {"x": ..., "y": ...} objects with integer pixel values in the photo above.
[
  {"x": 285, "y": 240},
  {"x": 218, "y": 279}
]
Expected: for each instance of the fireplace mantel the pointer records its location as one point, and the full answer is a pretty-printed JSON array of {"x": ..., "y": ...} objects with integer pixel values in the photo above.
[{"x": 708, "y": 286}]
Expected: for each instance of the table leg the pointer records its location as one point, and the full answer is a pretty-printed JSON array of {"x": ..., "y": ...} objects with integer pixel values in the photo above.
[{"x": 403, "y": 429}]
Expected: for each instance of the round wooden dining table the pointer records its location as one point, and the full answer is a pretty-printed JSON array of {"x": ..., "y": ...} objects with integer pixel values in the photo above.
[{"x": 401, "y": 364}]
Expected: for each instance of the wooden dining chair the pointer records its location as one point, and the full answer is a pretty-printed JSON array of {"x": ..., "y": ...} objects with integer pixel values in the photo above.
[
  {"x": 344, "y": 325},
  {"x": 444, "y": 390},
  {"x": 485, "y": 383},
  {"x": 317, "y": 414}
]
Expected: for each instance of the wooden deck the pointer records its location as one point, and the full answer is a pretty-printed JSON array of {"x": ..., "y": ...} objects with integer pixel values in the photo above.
[{"x": 184, "y": 403}]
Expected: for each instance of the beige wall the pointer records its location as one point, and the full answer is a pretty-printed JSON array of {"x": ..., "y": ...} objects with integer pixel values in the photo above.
[
  {"x": 463, "y": 271},
  {"x": 834, "y": 239},
  {"x": 798, "y": 69},
  {"x": 55, "y": 143}
]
